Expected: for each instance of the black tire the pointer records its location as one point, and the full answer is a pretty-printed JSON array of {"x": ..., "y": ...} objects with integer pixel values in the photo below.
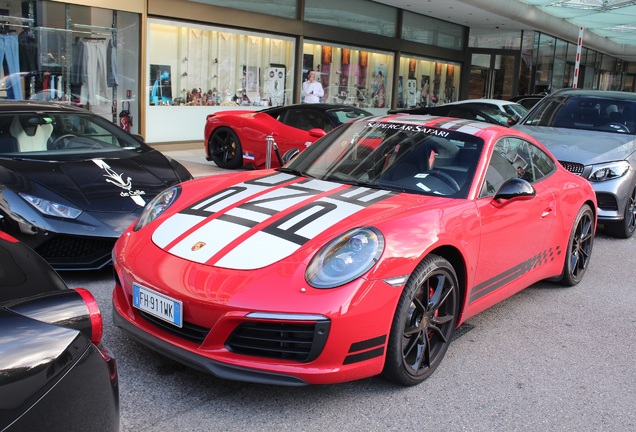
[
  {"x": 579, "y": 250},
  {"x": 423, "y": 324},
  {"x": 626, "y": 227},
  {"x": 225, "y": 148}
]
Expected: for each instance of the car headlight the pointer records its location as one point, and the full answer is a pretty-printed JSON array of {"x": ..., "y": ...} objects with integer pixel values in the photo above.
[
  {"x": 609, "y": 171},
  {"x": 158, "y": 205},
  {"x": 345, "y": 258},
  {"x": 51, "y": 208}
]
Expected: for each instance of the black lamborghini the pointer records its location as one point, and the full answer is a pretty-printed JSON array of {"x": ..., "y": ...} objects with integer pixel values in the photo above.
[
  {"x": 55, "y": 374},
  {"x": 71, "y": 181}
]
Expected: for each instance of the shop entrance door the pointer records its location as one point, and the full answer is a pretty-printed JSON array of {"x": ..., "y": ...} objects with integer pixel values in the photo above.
[{"x": 492, "y": 75}]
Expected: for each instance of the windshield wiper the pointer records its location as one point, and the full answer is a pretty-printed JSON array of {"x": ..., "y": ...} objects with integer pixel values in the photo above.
[
  {"x": 346, "y": 179},
  {"x": 294, "y": 172}
]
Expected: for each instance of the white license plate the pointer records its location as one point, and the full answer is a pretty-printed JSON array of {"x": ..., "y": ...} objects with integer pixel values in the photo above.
[{"x": 159, "y": 305}]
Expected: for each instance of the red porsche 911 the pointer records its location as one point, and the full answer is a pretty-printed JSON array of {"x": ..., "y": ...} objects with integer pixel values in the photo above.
[
  {"x": 359, "y": 257},
  {"x": 238, "y": 138}
]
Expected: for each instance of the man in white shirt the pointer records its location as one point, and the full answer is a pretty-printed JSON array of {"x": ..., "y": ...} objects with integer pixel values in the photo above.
[{"x": 312, "y": 89}]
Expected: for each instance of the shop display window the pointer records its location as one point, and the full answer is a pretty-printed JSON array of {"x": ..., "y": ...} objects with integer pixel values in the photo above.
[
  {"x": 425, "y": 82},
  {"x": 70, "y": 53},
  {"x": 191, "y": 65},
  {"x": 350, "y": 75}
]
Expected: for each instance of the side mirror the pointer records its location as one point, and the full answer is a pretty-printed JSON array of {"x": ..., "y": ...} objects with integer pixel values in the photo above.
[
  {"x": 317, "y": 133},
  {"x": 139, "y": 138},
  {"x": 290, "y": 154},
  {"x": 514, "y": 189},
  {"x": 513, "y": 120}
]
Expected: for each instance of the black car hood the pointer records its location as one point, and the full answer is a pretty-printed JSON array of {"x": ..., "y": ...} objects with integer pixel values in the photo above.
[{"x": 112, "y": 182}]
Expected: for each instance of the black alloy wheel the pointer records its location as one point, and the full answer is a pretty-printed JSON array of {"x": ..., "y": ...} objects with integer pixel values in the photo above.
[
  {"x": 225, "y": 148},
  {"x": 579, "y": 247},
  {"x": 423, "y": 324}
]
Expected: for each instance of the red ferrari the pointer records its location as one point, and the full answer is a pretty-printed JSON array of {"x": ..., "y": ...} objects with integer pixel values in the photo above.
[
  {"x": 235, "y": 139},
  {"x": 360, "y": 257}
]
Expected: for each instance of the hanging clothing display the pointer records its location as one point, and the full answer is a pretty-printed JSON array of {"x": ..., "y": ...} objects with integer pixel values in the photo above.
[
  {"x": 28, "y": 51},
  {"x": 94, "y": 67},
  {"x": 111, "y": 62},
  {"x": 79, "y": 74},
  {"x": 10, "y": 60},
  {"x": 95, "y": 88}
]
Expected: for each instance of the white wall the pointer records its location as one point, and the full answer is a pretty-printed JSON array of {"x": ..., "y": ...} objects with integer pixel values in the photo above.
[{"x": 180, "y": 123}]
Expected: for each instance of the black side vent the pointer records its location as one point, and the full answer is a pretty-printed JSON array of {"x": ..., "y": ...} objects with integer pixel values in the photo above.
[
  {"x": 606, "y": 202},
  {"x": 302, "y": 342}
]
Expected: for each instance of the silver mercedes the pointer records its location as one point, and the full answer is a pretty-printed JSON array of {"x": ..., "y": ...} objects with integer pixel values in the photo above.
[{"x": 593, "y": 134}]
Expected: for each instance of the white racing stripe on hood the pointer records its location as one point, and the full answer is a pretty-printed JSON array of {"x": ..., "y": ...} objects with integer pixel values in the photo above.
[
  {"x": 173, "y": 228},
  {"x": 217, "y": 233},
  {"x": 270, "y": 226},
  {"x": 239, "y": 192},
  {"x": 258, "y": 251},
  {"x": 265, "y": 248}
]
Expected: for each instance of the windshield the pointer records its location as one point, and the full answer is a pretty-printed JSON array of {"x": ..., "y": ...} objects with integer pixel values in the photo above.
[
  {"x": 393, "y": 156},
  {"x": 64, "y": 135},
  {"x": 343, "y": 115},
  {"x": 515, "y": 109},
  {"x": 492, "y": 111},
  {"x": 585, "y": 112}
]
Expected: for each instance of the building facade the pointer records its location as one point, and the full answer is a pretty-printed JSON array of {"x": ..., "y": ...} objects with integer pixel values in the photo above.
[{"x": 159, "y": 67}]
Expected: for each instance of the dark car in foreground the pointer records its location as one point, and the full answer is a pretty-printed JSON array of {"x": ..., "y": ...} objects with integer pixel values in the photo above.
[
  {"x": 593, "y": 134},
  {"x": 55, "y": 374},
  {"x": 468, "y": 110},
  {"x": 359, "y": 257},
  {"x": 72, "y": 181},
  {"x": 238, "y": 138}
]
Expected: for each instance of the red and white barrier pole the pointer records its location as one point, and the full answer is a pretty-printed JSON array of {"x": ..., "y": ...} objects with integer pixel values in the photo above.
[{"x": 577, "y": 64}]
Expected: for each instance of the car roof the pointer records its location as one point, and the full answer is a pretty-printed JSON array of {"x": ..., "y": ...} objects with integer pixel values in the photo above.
[
  {"x": 498, "y": 102},
  {"x": 613, "y": 94},
  {"x": 13, "y": 106},
  {"x": 317, "y": 106}
]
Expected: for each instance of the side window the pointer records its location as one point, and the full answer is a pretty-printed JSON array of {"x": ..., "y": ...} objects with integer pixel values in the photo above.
[
  {"x": 316, "y": 120},
  {"x": 542, "y": 163},
  {"x": 514, "y": 157},
  {"x": 296, "y": 119},
  {"x": 499, "y": 169}
]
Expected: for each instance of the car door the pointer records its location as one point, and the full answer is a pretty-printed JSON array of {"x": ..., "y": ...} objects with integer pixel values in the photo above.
[
  {"x": 513, "y": 234},
  {"x": 293, "y": 131}
]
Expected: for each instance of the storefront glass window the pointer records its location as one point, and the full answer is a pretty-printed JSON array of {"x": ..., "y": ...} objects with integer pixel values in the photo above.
[
  {"x": 561, "y": 76},
  {"x": 205, "y": 66},
  {"x": 527, "y": 63},
  {"x": 69, "y": 53},
  {"x": 425, "y": 30},
  {"x": 351, "y": 75},
  {"x": 425, "y": 82},
  {"x": 282, "y": 8},
  {"x": 361, "y": 15},
  {"x": 545, "y": 63}
]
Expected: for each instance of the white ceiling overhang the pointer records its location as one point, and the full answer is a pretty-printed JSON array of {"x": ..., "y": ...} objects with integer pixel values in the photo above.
[{"x": 609, "y": 25}]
